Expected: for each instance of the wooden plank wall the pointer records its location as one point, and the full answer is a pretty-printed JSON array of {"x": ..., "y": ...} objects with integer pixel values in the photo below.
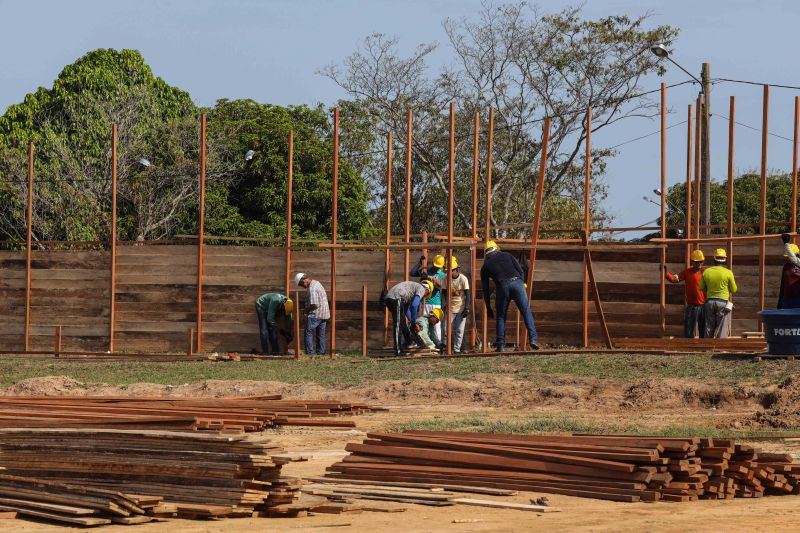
[{"x": 156, "y": 294}]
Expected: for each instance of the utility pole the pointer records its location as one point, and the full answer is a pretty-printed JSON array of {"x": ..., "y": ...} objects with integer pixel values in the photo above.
[{"x": 705, "y": 157}]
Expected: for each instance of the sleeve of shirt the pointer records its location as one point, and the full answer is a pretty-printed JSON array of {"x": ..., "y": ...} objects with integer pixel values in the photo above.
[
  {"x": 413, "y": 309},
  {"x": 416, "y": 271},
  {"x": 732, "y": 286},
  {"x": 787, "y": 248},
  {"x": 671, "y": 277},
  {"x": 703, "y": 287},
  {"x": 464, "y": 283},
  {"x": 518, "y": 267},
  {"x": 485, "y": 285},
  {"x": 423, "y": 335}
]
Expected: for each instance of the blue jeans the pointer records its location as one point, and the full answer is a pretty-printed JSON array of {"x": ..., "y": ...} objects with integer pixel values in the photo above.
[
  {"x": 506, "y": 292},
  {"x": 315, "y": 326},
  {"x": 267, "y": 333}
]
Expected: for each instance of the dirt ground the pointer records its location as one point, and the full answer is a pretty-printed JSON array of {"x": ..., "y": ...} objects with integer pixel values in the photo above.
[{"x": 501, "y": 398}]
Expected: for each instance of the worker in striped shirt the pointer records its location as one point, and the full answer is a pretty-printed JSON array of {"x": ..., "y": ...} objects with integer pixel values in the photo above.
[{"x": 317, "y": 313}]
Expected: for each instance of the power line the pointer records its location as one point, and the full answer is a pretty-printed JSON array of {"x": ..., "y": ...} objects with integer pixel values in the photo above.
[
  {"x": 647, "y": 135},
  {"x": 753, "y": 128},
  {"x": 758, "y": 83}
]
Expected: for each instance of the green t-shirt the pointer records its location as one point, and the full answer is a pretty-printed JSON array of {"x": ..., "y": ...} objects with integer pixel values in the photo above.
[{"x": 718, "y": 282}]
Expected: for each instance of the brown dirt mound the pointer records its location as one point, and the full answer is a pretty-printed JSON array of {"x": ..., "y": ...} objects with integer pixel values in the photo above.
[
  {"x": 44, "y": 386},
  {"x": 658, "y": 393},
  {"x": 782, "y": 406}
]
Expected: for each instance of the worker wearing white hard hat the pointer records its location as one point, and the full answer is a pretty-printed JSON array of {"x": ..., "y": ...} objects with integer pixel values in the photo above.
[{"x": 317, "y": 313}]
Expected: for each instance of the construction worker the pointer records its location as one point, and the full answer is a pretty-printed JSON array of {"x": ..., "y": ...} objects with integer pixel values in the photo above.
[
  {"x": 403, "y": 301},
  {"x": 425, "y": 332},
  {"x": 693, "y": 315},
  {"x": 317, "y": 313},
  {"x": 789, "y": 295},
  {"x": 460, "y": 303},
  {"x": 269, "y": 307},
  {"x": 719, "y": 284},
  {"x": 436, "y": 275},
  {"x": 507, "y": 274}
]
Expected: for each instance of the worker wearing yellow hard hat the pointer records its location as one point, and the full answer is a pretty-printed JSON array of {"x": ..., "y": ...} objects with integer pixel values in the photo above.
[
  {"x": 403, "y": 302},
  {"x": 789, "y": 294},
  {"x": 719, "y": 285},
  {"x": 694, "y": 312},
  {"x": 425, "y": 332},
  {"x": 460, "y": 305},
  {"x": 436, "y": 274},
  {"x": 270, "y": 308},
  {"x": 509, "y": 280}
]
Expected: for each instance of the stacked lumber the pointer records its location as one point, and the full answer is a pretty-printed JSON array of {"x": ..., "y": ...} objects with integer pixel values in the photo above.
[
  {"x": 247, "y": 413},
  {"x": 191, "y": 475},
  {"x": 728, "y": 345},
  {"x": 618, "y": 468}
]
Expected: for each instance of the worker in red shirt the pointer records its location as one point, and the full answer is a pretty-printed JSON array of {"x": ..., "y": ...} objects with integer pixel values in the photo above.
[
  {"x": 693, "y": 315},
  {"x": 789, "y": 295}
]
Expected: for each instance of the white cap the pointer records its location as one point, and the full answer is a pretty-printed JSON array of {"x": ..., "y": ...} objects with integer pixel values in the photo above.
[{"x": 298, "y": 277}]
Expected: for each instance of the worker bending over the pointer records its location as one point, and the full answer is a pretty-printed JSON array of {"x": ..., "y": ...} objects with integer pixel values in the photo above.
[
  {"x": 270, "y": 307},
  {"x": 317, "y": 312},
  {"x": 435, "y": 274},
  {"x": 425, "y": 332},
  {"x": 403, "y": 301},
  {"x": 789, "y": 295},
  {"x": 719, "y": 284},
  {"x": 694, "y": 314},
  {"x": 507, "y": 275},
  {"x": 460, "y": 303}
]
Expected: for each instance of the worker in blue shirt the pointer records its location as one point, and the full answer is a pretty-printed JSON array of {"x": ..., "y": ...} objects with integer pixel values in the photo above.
[{"x": 508, "y": 277}]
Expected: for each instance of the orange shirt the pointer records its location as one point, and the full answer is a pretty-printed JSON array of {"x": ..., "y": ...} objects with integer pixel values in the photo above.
[{"x": 694, "y": 296}]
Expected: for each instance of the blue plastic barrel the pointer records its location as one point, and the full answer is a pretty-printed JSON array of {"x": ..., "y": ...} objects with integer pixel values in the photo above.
[{"x": 782, "y": 330}]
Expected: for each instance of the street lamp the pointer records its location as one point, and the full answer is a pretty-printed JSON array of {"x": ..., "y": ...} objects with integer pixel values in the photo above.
[{"x": 661, "y": 51}]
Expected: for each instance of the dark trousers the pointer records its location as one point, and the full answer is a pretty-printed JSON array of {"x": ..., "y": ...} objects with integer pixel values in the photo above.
[
  {"x": 694, "y": 315},
  {"x": 401, "y": 336},
  {"x": 315, "y": 327},
  {"x": 268, "y": 334},
  {"x": 508, "y": 291}
]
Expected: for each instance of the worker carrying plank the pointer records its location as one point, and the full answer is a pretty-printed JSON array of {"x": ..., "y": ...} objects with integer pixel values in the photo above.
[
  {"x": 507, "y": 274},
  {"x": 403, "y": 301},
  {"x": 693, "y": 314},
  {"x": 269, "y": 308},
  {"x": 317, "y": 313},
  {"x": 789, "y": 295},
  {"x": 425, "y": 331},
  {"x": 719, "y": 285},
  {"x": 435, "y": 273},
  {"x": 460, "y": 304}
]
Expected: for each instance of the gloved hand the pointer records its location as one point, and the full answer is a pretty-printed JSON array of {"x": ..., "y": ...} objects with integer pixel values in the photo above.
[
  {"x": 786, "y": 238},
  {"x": 465, "y": 312},
  {"x": 489, "y": 312},
  {"x": 421, "y": 259}
]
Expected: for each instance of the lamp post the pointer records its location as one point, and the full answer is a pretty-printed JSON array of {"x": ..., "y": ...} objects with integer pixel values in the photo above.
[{"x": 705, "y": 138}]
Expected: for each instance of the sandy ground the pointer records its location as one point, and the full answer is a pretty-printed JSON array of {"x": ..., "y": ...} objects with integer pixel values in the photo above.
[{"x": 577, "y": 514}]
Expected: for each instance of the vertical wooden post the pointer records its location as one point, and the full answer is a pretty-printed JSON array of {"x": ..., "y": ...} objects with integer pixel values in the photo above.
[
  {"x": 537, "y": 215},
  {"x": 201, "y": 232},
  {"x": 189, "y": 341},
  {"x": 487, "y": 233},
  {"x": 587, "y": 225},
  {"x": 794, "y": 162},
  {"x": 408, "y": 193},
  {"x": 688, "y": 234},
  {"x": 28, "y": 244},
  {"x": 762, "y": 244},
  {"x": 448, "y": 263},
  {"x": 473, "y": 256},
  {"x": 57, "y": 350},
  {"x": 112, "y": 312},
  {"x": 731, "y": 124},
  {"x": 663, "y": 286},
  {"x": 697, "y": 174},
  {"x": 387, "y": 267},
  {"x": 334, "y": 226},
  {"x": 363, "y": 321},
  {"x": 296, "y": 325},
  {"x": 289, "y": 185}
]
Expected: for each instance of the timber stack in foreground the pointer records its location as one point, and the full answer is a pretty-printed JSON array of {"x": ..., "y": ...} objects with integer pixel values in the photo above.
[{"x": 618, "y": 468}]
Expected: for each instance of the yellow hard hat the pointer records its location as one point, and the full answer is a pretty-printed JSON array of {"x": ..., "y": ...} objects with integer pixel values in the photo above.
[
  {"x": 438, "y": 261},
  {"x": 491, "y": 244},
  {"x": 697, "y": 255},
  {"x": 288, "y": 306},
  {"x": 438, "y": 313},
  {"x": 720, "y": 253},
  {"x": 453, "y": 263},
  {"x": 794, "y": 248},
  {"x": 428, "y": 285}
]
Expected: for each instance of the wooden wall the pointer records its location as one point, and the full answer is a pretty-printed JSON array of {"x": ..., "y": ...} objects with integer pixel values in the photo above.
[{"x": 156, "y": 294}]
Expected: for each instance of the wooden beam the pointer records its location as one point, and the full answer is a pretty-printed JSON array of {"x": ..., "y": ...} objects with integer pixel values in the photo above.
[
  {"x": 409, "y": 129},
  {"x": 697, "y": 160},
  {"x": 201, "y": 232},
  {"x": 487, "y": 232},
  {"x": 473, "y": 256},
  {"x": 587, "y": 225},
  {"x": 763, "y": 212},
  {"x": 387, "y": 267},
  {"x": 731, "y": 125},
  {"x": 450, "y": 205},
  {"x": 334, "y": 226},
  {"x": 289, "y": 179},
  {"x": 363, "y": 321},
  {"x": 57, "y": 348},
  {"x": 112, "y": 309},
  {"x": 795, "y": 161},
  {"x": 28, "y": 245},
  {"x": 662, "y": 309},
  {"x": 688, "y": 213},
  {"x": 597, "y": 302}
]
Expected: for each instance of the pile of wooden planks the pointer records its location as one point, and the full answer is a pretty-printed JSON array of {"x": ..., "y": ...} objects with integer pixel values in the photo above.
[
  {"x": 608, "y": 467},
  {"x": 191, "y": 475},
  {"x": 247, "y": 413},
  {"x": 727, "y": 345}
]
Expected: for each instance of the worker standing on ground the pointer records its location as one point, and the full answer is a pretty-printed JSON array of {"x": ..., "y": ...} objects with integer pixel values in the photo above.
[
  {"x": 269, "y": 307},
  {"x": 425, "y": 332},
  {"x": 460, "y": 303},
  {"x": 508, "y": 279},
  {"x": 789, "y": 295},
  {"x": 719, "y": 284},
  {"x": 317, "y": 313},
  {"x": 693, "y": 315},
  {"x": 403, "y": 301},
  {"x": 436, "y": 275}
]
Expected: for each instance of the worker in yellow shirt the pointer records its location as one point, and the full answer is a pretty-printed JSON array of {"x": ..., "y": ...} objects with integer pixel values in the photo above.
[{"x": 718, "y": 284}]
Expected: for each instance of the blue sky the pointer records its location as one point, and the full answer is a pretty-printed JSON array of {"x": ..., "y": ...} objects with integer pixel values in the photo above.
[{"x": 270, "y": 51}]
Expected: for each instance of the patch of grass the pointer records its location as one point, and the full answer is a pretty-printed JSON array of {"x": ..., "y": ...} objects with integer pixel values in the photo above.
[{"x": 523, "y": 425}]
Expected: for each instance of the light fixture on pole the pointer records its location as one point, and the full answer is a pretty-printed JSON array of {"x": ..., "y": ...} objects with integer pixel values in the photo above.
[{"x": 661, "y": 51}]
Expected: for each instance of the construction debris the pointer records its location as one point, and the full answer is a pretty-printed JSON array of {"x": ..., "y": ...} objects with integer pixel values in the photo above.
[
  {"x": 608, "y": 467},
  {"x": 247, "y": 413}
]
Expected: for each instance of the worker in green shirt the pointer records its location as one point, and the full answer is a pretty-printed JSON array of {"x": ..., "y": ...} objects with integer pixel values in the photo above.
[
  {"x": 270, "y": 307},
  {"x": 425, "y": 329},
  {"x": 718, "y": 284}
]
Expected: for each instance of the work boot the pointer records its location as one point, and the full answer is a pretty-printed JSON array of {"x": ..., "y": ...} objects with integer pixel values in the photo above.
[
  {"x": 534, "y": 345},
  {"x": 499, "y": 347}
]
